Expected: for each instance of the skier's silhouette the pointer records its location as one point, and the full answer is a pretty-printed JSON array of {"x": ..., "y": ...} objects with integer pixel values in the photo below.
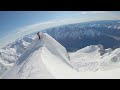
[{"x": 38, "y": 35}]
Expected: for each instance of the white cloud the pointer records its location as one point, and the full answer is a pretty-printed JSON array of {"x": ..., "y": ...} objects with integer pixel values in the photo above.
[
  {"x": 35, "y": 26},
  {"x": 83, "y": 12},
  {"x": 93, "y": 12},
  {"x": 48, "y": 24},
  {"x": 56, "y": 22},
  {"x": 99, "y": 12},
  {"x": 31, "y": 29}
]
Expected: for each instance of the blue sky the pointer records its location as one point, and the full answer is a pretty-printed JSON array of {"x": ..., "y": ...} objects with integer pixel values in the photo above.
[
  {"x": 10, "y": 20},
  {"x": 13, "y": 23}
]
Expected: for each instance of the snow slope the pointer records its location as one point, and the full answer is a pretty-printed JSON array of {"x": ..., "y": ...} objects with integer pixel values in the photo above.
[
  {"x": 10, "y": 53},
  {"x": 46, "y": 58},
  {"x": 79, "y": 35},
  {"x": 32, "y": 64},
  {"x": 73, "y": 37},
  {"x": 54, "y": 61},
  {"x": 96, "y": 58}
]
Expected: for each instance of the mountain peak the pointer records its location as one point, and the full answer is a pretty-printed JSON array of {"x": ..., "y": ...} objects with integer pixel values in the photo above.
[{"x": 31, "y": 63}]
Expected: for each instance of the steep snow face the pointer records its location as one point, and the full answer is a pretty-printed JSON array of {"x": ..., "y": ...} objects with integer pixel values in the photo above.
[
  {"x": 42, "y": 63},
  {"x": 10, "y": 53},
  {"x": 56, "y": 48},
  {"x": 29, "y": 66},
  {"x": 31, "y": 62}
]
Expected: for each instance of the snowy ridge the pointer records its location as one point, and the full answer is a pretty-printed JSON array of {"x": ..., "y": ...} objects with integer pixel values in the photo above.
[
  {"x": 10, "y": 53},
  {"x": 46, "y": 58},
  {"x": 59, "y": 50},
  {"x": 94, "y": 49},
  {"x": 96, "y": 58},
  {"x": 31, "y": 63}
]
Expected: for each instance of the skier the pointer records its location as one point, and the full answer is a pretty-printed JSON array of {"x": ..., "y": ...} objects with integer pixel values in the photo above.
[{"x": 38, "y": 35}]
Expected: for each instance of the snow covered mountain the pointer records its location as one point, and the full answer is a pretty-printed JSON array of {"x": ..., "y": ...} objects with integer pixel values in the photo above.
[
  {"x": 76, "y": 36},
  {"x": 93, "y": 46},
  {"x": 95, "y": 57},
  {"x": 46, "y": 58},
  {"x": 31, "y": 63},
  {"x": 10, "y": 53}
]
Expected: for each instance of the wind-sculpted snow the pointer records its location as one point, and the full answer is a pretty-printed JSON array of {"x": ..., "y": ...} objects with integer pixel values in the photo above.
[
  {"x": 23, "y": 67},
  {"x": 43, "y": 64},
  {"x": 10, "y": 53}
]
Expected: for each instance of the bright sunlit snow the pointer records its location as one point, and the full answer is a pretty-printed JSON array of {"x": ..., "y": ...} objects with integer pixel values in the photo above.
[
  {"x": 46, "y": 58},
  {"x": 73, "y": 44}
]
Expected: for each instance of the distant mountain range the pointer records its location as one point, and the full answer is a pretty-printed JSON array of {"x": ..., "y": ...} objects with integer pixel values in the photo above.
[{"x": 76, "y": 36}]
